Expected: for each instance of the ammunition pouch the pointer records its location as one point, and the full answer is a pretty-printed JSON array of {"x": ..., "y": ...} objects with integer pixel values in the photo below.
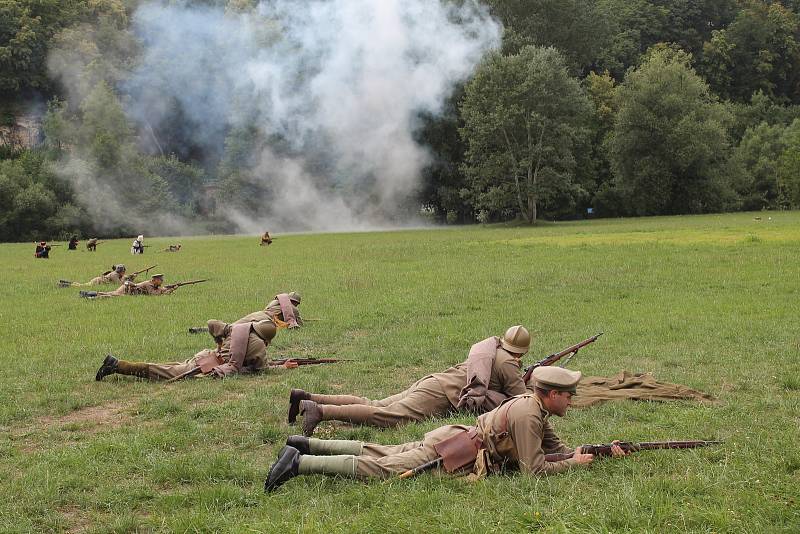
[{"x": 459, "y": 450}]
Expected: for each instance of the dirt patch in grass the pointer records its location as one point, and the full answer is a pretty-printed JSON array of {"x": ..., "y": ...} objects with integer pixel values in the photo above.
[
  {"x": 88, "y": 420},
  {"x": 75, "y": 518}
]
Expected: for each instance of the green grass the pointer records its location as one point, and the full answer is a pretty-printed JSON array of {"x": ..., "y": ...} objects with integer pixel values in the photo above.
[{"x": 707, "y": 301}]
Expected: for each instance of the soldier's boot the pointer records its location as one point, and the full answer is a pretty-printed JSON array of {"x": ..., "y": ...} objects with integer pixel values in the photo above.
[
  {"x": 109, "y": 367},
  {"x": 88, "y": 294},
  {"x": 137, "y": 369},
  {"x": 197, "y": 329},
  {"x": 64, "y": 283},
  {"x": 284, "y": 468},
  {"x": 312, "y": 415},
  {"x": 301, "y": 443},
  {"x": 295, "y": 396},
  {"x": 337, "y": 400}
]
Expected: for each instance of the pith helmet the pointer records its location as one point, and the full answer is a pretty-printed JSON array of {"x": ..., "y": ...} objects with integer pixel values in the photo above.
[
  {"x": 294, "y": 296},
  {"x": 265, "y": 330},
  {"x": 516, "y": 340},
  {"x": 119, "y": 268}
]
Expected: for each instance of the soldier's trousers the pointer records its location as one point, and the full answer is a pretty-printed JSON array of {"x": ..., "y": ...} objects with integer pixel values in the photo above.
[
  {"x": 378, "y": 461},
  {"x": 165, "y": 371},
  {"x": 424, "y": 399}
]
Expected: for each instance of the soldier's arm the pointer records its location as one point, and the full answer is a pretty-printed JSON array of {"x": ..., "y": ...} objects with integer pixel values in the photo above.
[
  {"x": 527, "y": 431},
  {"x": 551, "y": 443},
  {"x": 510, "y": 377}
]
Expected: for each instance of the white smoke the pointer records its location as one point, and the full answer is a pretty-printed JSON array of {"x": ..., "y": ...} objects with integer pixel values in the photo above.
[{"x": 339, "y": 82}]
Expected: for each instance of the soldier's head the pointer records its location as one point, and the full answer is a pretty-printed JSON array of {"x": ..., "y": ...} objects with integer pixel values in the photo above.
[
  {"x": 555, "y": 386},
  {"x": 140, "y": 238},
  {"x": 42, "y": 243},
  {"x": 157, "y": 279},
  {"x": 294, "y": 297},
  {"x": 266, "y": 330},
  {"x": 516, "y": 340},
  {"x": 119, "y": 268}
]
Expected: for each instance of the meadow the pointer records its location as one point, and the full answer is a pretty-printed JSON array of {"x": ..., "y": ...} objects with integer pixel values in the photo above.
[{"x": 707, "y": 301}]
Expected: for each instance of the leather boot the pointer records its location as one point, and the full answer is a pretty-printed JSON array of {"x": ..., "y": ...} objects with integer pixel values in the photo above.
[
  {"x": 300, "y": 443},
  {"x": 295, "y": 396},
  {"x": 109, "y": 367},
  {"x": 283, "y": 469},
  {"x": 337, "y": 400},
  {"x": 138, "y": 369},
  {"x": 87, "y": 294},
  {"x": 312, "y": 415}
]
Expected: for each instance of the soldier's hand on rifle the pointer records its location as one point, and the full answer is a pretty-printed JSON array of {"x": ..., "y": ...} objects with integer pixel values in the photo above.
[
  {"x": 616, "y": 450},
  {"x": 216, "y": 373},
  {"x": 582, "y": 458}
]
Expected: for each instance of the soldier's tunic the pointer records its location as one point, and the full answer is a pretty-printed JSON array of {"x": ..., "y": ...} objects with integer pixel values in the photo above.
[
  {"x": 516, "y": 435},
  {"x": 142, "y": 288},
  {"x": 112, "y": 277},
  {"x": 435, "y": 394},
  {"x": 271, "y": 313},
  {"x": 254, "y": 356}
]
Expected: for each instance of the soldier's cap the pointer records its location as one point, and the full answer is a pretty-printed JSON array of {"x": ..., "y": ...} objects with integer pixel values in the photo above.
[
  {"x": 159, "y": 275},
  {"x": 140, "y": 238},
  {"x": 295, "y": 297},
  {"x": 516, "y": 340},
  {"x": 119, "y": 268},
  {"x": 556, "y": 378}
]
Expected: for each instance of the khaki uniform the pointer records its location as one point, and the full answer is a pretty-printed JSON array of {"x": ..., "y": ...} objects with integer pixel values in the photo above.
[
  {"x": 142, "y": 288},
  {"x": 254, "y": 358},
  {"x": 112, "y": 277},
  {"x": 433, "y": 395},
  {"x": 516, "y": 435},
  {"x": 271, "y": 313}
]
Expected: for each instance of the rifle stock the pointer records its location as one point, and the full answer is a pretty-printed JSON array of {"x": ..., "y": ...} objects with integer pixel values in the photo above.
[{"x": 553, "y": 358}]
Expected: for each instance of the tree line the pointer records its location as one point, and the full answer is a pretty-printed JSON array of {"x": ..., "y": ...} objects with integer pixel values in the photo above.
[{"x": 602, "y": 107}]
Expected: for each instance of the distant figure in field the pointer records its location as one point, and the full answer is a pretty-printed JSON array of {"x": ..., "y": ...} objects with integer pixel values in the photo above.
[
  {"x": 282, "y": 311},
  {"x": 115, "y": 276},
  {"x": 173, "y": 248},
  {"x": 149, "y": 287},
  {"x": 91, "y": 244},
  {"x": 73, "y": 243},
  {"x": 42, "y": 250},
  {"x": 240, "y": 349},
  {"x": 137, "y": 247},
  {"x": 265, "y": 239},
  {"x": 490, "y": 374}
]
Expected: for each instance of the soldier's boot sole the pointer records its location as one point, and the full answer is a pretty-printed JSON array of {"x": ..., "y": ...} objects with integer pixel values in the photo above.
[{"x": 295, "y": 396}]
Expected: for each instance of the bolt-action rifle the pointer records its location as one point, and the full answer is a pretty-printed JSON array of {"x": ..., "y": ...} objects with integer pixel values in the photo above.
[
  {"x": 553, "y": 358},
  {"x": 137, "y": 273},
  {"x": 203, "y": 329},
  {"x": 629, "y": 446},
  {"x": 179, "y": 284},
  {"x": 291, "y": 363},
  {"x": 598, "y": 450}
]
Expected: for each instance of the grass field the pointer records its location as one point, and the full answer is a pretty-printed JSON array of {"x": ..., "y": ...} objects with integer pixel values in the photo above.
[{"x": 707, "y": 301}]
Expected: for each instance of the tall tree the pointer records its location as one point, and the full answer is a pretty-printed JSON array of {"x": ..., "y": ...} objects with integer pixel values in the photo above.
[
  {"x": 669, "y": 140},
  {"x": 523, "y": 115},
  {"x": 760, "y": 50}
]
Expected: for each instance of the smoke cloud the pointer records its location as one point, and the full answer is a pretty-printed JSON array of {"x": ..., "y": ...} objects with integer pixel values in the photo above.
[{"x": 332, "y": 88}]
